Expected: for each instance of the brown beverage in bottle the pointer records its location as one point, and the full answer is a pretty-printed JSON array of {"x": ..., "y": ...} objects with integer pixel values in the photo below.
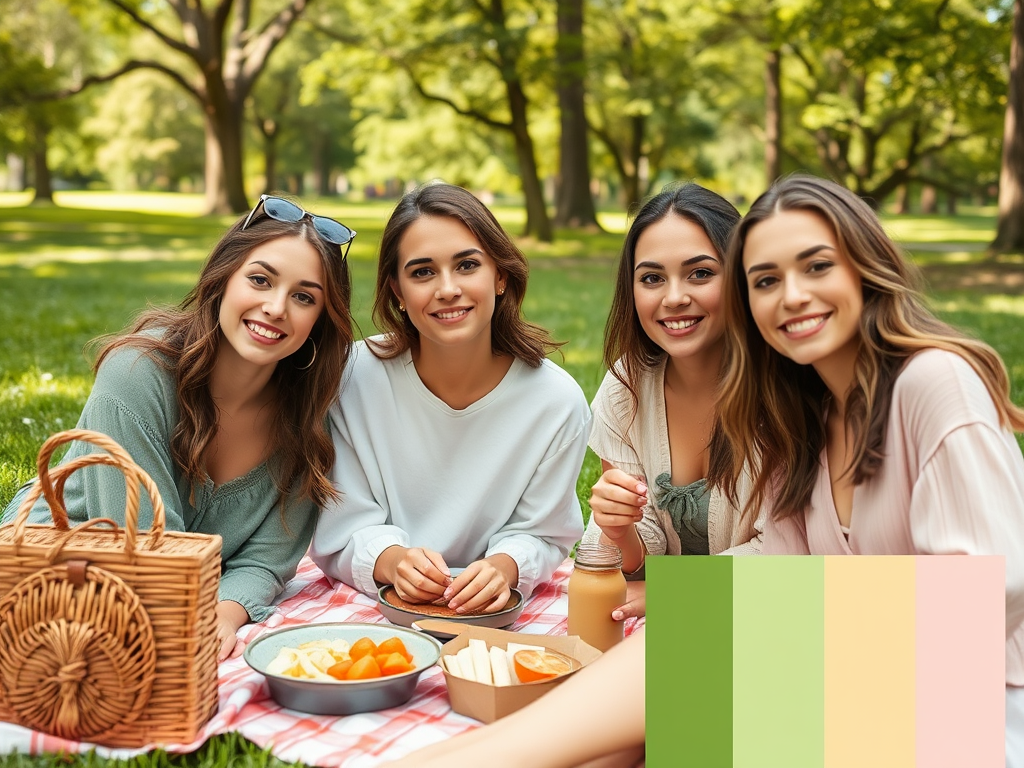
[{"x": 596, "y": 588}]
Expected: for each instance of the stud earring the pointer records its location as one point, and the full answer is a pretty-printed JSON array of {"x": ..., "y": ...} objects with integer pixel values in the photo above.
[
  {"x": 401, "y": 307},
  {"x": 501, "y": 291}
]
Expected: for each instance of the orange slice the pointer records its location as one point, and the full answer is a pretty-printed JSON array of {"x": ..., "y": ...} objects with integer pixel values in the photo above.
[
  {"x": 394, "y": 645},
  {"x": 364, "y": 669},
  {"x": 364, "y": 646},
  {"x": 531, "y": 666}
]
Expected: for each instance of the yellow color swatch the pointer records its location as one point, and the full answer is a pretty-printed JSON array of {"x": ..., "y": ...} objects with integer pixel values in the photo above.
[{"x": 870, "y": 640}]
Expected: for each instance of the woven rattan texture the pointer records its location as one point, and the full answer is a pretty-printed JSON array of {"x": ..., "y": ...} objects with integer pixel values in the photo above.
[
  {"x": 78, "y": 660},
  {"x": 83, "y": 646}
]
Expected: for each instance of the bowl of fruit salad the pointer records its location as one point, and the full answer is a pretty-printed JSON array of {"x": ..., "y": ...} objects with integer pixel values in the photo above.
[{"x": 343, "y": 668}]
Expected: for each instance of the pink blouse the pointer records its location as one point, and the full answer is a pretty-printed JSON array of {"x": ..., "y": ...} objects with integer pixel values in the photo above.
[{"x": 952, "y": 482}]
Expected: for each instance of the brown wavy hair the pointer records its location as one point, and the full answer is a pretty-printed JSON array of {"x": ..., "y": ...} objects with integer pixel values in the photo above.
[
  {"x": 774, "y": 409},
  {"x": 185, "y": 341},
  {"x": 511, "y": 334},
  {"x": 628, "y": 350}
]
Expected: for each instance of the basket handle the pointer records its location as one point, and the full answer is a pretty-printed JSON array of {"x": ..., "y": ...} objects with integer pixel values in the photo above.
[{"x": 50, "y": 484}]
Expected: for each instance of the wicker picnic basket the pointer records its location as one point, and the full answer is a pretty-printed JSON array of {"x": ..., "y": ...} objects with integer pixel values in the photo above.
[{"x": 107, "y": 634}]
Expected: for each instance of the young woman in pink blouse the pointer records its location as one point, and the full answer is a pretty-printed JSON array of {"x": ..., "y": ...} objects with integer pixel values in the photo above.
[{"x": 880, "y": 429}]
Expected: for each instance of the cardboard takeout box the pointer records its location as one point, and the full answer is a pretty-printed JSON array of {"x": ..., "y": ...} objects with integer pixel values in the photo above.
[{"x": 486, "y": 702}]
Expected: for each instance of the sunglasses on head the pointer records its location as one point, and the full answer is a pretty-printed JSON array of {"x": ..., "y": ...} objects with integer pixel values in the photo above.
[{"x": 284, "y": 210}]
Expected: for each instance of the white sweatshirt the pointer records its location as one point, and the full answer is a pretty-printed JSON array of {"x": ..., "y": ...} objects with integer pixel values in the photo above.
[{"x": 497, "y": 476}]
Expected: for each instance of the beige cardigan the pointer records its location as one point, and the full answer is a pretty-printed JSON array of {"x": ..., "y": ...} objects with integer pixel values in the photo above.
[{"x": 639, "y": 446}]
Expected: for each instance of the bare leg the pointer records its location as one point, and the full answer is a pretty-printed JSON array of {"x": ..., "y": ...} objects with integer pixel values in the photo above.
[
  {"x": 596, "y": 714},
  {"x": 628, "y": 758}
]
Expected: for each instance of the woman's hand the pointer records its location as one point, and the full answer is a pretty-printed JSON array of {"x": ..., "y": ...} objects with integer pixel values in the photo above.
[
  {"x": 485, "y": 585},
  {"x": 231, "y": 616},
  {"x": 617, "y": 501},
  {"x": 636, "y": 602},
  {"x": 419, "y": 575}
]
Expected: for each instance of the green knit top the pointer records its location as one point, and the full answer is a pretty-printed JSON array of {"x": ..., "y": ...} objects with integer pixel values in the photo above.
[
  {"x": 134, "y": 402},
  {"x": 688, "y": 506}
]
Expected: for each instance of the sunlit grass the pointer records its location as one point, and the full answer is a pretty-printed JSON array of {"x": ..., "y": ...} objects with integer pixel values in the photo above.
[{"x": 975, "y": 228}]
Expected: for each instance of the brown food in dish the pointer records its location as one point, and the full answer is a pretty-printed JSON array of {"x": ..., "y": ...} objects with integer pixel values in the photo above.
[{"x": 440, "y": 611}]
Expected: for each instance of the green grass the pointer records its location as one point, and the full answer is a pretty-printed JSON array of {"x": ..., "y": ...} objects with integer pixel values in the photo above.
[
  {"x": 82, "y": 269},
  {"x": 227, "y": 751}
]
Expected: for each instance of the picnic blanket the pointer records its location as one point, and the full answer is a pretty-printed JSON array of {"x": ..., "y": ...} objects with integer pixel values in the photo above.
[{"x": 353, "y": 741}]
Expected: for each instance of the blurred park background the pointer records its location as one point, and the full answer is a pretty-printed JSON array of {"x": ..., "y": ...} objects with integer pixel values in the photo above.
[
  {"x": 133, "y": 132},
  {"x": 559, "y": 107}
]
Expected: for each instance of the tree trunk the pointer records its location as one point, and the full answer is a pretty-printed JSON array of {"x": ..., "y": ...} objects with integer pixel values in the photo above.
[
  {"x": 574, "y": 206},
  {"x": 631, "y": 183},
  {"x": 322, "y": 164},
  {"x": 773, "y": 116},
  {"x": 269, "y": 161},
  {"x": 40, "y": 166},
  {"x": 538, "y": 224},
  {"x": 951, "y": 203},
  {"x": 929, "y": 199},
  {"x": 902, "y": 205},
  {"x": 1010, "y": 230},
  {"x": 225, "y": 184}
]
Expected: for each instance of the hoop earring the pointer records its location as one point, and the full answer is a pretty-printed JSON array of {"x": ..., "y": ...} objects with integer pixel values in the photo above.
[{"x": 310, "y": 363}]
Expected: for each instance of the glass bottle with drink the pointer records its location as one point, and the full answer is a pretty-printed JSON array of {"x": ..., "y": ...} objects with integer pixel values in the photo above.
[{"x": 596, "y": 588}]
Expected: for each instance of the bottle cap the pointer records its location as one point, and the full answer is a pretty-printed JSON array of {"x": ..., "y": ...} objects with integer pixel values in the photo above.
[{"x": 598, "y": 557}]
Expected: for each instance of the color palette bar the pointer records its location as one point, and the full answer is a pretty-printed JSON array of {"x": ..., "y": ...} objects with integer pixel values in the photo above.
[{"x": 825, "y": 662}]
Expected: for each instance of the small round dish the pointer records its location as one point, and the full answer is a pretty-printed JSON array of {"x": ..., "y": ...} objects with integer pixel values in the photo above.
[
  {"x": 404, "y": 616},
  {"x": 341, "y": 697}
]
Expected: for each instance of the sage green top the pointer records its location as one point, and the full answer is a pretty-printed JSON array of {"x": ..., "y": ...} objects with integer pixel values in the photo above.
[
  {"x": 134, "y": 402},
  {"x": 688, "y": 506}
]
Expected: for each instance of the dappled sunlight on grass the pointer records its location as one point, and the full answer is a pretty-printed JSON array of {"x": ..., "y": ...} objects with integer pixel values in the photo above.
[
  {"x": 941, "y": 229},
  {"x": 169, "y": 203},
  {"x": 613, "y": 221},
  {"x": 15, "y": 199},
  {"x": 1008, "y": 305},
  {"x": 922, "y": 256}
]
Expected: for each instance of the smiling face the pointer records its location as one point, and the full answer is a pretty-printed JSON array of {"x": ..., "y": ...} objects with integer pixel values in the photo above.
[
  {"x": 805, "y": 296},
  {"x": 272, "y": 301},
  {"x": 677, "y": 287},
  {"x": 447, "y": 282}
]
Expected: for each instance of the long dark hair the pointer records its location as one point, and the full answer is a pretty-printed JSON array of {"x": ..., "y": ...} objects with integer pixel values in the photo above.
[
  {"x": 186, "y": 339},
  {"x": 774, "y": 409},
  {"x": 511, "y": 334},
  {"x": 628, "y": 350}
]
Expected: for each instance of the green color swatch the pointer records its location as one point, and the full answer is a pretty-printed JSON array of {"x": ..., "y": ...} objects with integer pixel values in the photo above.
[
  {"x": 779, "y": 662},
  {"x": 690, "y": 662}
]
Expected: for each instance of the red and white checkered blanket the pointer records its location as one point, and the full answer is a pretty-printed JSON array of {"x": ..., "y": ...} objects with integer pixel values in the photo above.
[{"x": 355, "y": 741}]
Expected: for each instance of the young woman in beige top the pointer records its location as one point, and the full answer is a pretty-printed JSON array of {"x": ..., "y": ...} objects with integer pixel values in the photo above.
[
  {"x": 654, "y": 413},
  {"x": 880, "y": 430}
]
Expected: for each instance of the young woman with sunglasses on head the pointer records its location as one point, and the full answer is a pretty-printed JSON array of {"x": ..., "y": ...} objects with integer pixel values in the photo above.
[
  {"x": 223, "y": 402},
  {"x": 880, "y": 429},
  {"x": 458, "y": 443},
  {"x": 655, "y": 411}
]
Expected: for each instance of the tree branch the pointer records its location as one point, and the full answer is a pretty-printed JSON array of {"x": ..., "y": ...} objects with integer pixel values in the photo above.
[
  {"x": 258, "y": 50},
  {"x": 130, "y": 66},
  {"x": 146, "y": 24},
  {"x": 464, "y": 111},
  {"x": 331, "y": 34},
  {"x": 611, "y": 146}
]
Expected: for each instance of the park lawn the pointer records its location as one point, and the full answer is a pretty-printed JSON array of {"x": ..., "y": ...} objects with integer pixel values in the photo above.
[{"x": 69, "y": 274}]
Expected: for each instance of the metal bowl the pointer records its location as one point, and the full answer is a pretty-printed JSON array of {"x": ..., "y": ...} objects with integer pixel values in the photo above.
[
  {"x": 405, "y": 617},
  {"x": 341, "y": 697}
]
